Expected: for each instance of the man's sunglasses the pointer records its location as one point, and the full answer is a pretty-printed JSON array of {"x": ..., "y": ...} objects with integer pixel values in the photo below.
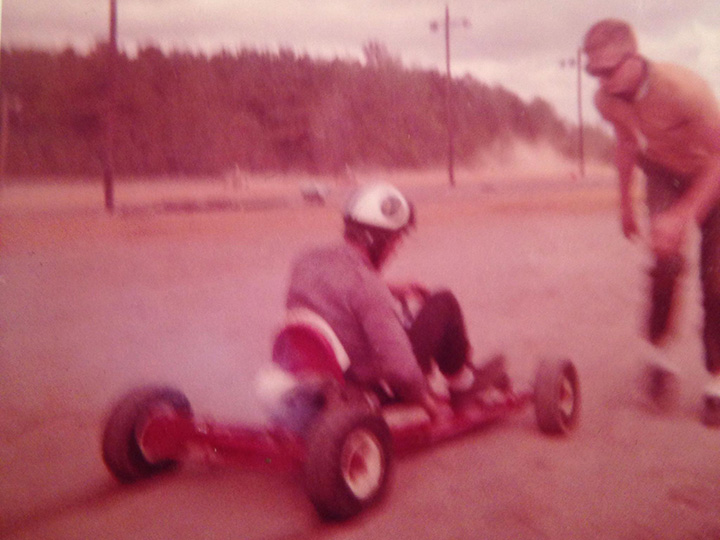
[{"x": 607, "y": 72}]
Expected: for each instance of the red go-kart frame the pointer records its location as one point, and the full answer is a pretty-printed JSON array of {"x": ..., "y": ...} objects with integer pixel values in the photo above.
[{"x": 341, "y": 436}]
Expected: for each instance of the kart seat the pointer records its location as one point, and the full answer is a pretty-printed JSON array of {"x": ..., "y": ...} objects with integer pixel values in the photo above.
[{"x": 306, "y": 344}]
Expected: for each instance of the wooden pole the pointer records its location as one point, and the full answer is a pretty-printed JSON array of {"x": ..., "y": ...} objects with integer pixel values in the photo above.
[
  {"x": 448, "y": 102},
  {"x": 108, "y": 181},
  {"x": 581, "y": 143},
  {"x": 4, "y": 136}
]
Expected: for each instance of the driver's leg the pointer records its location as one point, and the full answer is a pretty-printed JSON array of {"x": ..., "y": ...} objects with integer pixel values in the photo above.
[{"x": 438, "y": 333}]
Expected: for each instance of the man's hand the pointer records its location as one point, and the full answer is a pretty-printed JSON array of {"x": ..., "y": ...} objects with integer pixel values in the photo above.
[
  {"x": 627, "y": 217},
  {"x": 667, "y": 233},
  {"x": 629, "y": 224},
  {"x": 436, "y": 408},
  {"x": 411, "y": 297},
  {"x": 404, "y": 290}
]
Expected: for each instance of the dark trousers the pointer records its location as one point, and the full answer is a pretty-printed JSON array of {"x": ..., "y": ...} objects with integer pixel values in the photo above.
[
  {"x": 663, "y": 190},
  {"x": 438, "y": 332}
]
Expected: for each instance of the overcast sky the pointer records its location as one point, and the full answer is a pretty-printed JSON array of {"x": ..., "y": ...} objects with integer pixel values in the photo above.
[{"x": 516, "y": 43}]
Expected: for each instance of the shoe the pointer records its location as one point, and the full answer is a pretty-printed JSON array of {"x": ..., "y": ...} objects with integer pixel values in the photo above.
[
  {"x": 711, "y": 404},
  {"x": 491, "y": 374},
  {"x": 661, "y": 384}
]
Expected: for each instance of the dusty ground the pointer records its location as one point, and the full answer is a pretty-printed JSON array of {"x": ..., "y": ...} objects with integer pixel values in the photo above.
[{"x": 93, "y": 304}]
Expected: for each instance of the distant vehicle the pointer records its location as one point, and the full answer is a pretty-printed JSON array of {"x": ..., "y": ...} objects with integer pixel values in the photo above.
[{"x": 315, "y": 192}]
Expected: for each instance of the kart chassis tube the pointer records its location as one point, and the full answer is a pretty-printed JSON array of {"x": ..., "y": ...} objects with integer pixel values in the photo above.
[
  {"x": 172, "y": 436},
  {"x": 166, "y": 435}
]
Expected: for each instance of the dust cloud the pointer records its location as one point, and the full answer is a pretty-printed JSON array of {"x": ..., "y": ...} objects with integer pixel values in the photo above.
[{"x": 516, "y": 160}]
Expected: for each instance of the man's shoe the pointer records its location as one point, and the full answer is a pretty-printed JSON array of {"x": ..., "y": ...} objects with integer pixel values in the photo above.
[
  {"x": 711, "y": 405},
  {"x": 661, "y": 385}
]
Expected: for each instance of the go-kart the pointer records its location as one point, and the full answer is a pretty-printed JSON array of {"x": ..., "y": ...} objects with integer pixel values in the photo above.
[{"x": 342, "y": 437}]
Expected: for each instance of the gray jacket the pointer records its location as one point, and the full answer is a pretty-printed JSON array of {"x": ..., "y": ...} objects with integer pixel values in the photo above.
[{"x": 341, "y": 286}]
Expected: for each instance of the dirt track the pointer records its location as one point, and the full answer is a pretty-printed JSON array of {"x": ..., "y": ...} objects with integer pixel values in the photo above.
[{"x": 92, "y": 304}]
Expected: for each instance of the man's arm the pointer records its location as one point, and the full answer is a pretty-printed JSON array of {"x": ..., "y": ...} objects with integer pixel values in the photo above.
[
  {"x": 399, "y": 367},
  {"x": 670, "y": 227},
  {"x": 625, "y": 157},
  {"x": 626, "y": 151}
]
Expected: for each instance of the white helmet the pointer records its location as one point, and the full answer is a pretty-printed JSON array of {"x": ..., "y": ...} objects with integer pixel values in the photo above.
[
  {"x": 375, "y": 216},
  {"x": 380, "y": 206}
]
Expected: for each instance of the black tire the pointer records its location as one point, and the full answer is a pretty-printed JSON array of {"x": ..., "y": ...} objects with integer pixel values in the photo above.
[
  {"x": 120, "y": 449},
  {"x": 557, "y": 396},
  {"x": 348, "y": 462}
]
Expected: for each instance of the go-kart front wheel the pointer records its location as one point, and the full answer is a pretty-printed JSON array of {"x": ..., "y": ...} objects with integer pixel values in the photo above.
[
  {"x": 557, "y": 396},
  {"x": 121, "y": 449},
  {"x": 348, "y": 461}
]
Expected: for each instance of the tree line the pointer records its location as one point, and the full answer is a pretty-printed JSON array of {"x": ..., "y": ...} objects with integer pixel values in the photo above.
[{"x": 184, "y": 113}]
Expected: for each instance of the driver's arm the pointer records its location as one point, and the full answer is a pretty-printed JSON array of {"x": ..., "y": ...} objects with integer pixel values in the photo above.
[{"x": 392, "y": 357}]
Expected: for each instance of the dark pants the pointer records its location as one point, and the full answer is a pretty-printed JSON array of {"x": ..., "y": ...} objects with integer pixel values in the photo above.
[
  {"x": 438, "y": 332},
  {"x": 663, "y": 190}
]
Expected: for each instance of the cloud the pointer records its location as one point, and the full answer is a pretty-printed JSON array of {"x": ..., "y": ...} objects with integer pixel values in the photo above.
[{"x": 516, "y": 43}]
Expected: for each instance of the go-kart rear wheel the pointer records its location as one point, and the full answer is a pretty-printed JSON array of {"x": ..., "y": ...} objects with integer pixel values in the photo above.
[
  {"x": 348, "y": 461},
  {"x": 557, "y": 396},
  {"x": 121, "y": 450}
]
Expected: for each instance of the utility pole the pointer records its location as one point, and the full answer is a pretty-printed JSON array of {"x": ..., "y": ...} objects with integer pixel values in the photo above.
[
  {"x": 4, "y": 125},
  {"x": 4, "y": 135},
  {"x": 577, "y": 62},
  {"x": 108, "y": 183},
  {"x": 434, "y": 26},
  {"x": 581, "y": 143},
  {"x": 9, "y": 105}
]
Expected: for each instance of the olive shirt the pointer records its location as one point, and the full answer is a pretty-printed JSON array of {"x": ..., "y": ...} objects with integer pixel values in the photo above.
[
  {"x": 667, "y": 117},
  {"x": 341, "y": 286}
]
